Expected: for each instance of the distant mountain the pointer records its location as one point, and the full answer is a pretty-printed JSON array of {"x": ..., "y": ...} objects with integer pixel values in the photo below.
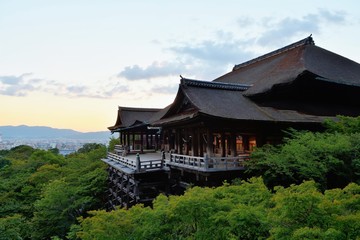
[{"x": 27, "y": 132}]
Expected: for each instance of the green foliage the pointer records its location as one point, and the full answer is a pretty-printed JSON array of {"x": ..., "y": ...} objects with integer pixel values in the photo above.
[
  {"x": 244, "y": 211},
  {"x": 88, "y": 147},
  {"x": 332, "y": 158},
  {"x": 12, "y": 227},
  {"x": 42, "y": 193},
  {"x": 63, "y": 200},
  {"x": 227, "y": 212},
  {"x": 345, "y": 124},
  {"x": 113, "y": 141},
  {"x": 20, "y": 152}
]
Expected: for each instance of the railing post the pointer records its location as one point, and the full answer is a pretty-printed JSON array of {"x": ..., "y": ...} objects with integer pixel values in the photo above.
[
  {"x": 206, "y": 160},
  {"x": 138, "y": 164},
  {"x": 162, "y": 159}
]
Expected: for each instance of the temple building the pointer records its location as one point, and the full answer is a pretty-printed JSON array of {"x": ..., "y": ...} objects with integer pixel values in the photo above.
[
  {"x": 207, "y": 133},
  {"x": 133, "y": 126},
  {"x": 298, "y": 86}
]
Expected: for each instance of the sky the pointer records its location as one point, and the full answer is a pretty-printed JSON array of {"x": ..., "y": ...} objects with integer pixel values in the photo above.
[{"x": 70, "y": 64}]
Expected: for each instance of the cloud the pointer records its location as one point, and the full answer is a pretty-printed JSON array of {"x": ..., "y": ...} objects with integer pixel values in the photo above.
[
  {"x": 17, "y": 85},
  {"x": 280, "y": 31},
  {"x": 213, "y": 51},
  {"x": 208, "y": 59},
  {"x": 335, "y": 17},
  {"x": 114, "y": 91},
  {"x": 156, "y": 69},
  {"x": 76, "y": 89},
  {"x": 25, "y": 84},
  {"x": 169, "y": 89},
  {"x": 203, "y": 59}
]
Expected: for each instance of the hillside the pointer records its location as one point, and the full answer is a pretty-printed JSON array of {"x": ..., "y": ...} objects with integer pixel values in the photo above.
[{"x": 41, "y": 132}]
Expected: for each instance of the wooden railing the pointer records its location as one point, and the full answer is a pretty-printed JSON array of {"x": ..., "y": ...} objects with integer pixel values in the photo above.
[
  {"x": 136, "y": 164},
  {"x": 120, "y": 149},
  {"x": 130, "y": 163},
  {"x": 208, "y": 163}
]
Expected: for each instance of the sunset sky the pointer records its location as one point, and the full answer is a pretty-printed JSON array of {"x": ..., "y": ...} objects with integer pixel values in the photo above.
[{"x": 70, "y": 64}]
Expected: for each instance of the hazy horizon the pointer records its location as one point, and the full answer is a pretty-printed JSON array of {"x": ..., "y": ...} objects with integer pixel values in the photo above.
[{"x": 35, "y": 126}]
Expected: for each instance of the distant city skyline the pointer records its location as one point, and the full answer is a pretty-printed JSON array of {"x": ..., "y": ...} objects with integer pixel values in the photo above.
[{"x": 70, "y": 64}]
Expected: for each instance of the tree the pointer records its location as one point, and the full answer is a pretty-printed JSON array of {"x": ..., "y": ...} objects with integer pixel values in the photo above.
[
  {"x": 246, "y": 210},
  {"x": 88, "y": 147},
  {"x": 12, "y": 227},
  {"x": 331, "y": 158},
  {"x": 113, "y": 141},
  {"x": 227, "y": 212},
  {"x": 63, "y": 200},
  {"x": 42, "y": 193}
]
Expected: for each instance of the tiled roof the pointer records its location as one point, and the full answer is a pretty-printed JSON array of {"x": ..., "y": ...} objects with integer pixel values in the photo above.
[
  {"x": 130, "y": 116},
  {"x": 285, "y": 65}
]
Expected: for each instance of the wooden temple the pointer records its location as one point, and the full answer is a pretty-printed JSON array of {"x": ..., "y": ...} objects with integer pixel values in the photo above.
[
  {"x": 135, "y": 133},
  {"x": 208, "y": 132}
]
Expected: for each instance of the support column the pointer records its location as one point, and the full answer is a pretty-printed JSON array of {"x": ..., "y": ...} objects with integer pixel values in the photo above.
[
  {"x": 195, "y": 142},
  {"x": 187, "y": 144},
  {"x": 209, "y": 144},
  {"x": 128, "y": 140},
  {"x": 156, "y": 142},
  {"x": 151, "y": 140},
  {"x": 142, "y": 141},
  {"x": 201, "y": 142},
  {"x": 178, "y": 143},
  {"x": 246, "y": 143},
  {"x": 133, "y": 141},
  {"x": 260, "y": 140},
  {"x": 223, "y": 149},
  {"x": 147, "y": 141},
  {"x": 233, "y": 144}
]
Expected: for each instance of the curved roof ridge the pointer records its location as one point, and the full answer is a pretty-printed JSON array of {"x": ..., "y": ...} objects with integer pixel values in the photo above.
[
  {"x": 216, "y": 85},
  {"x": 139, "y": 109},
  {"x": 306, "y": 41}
]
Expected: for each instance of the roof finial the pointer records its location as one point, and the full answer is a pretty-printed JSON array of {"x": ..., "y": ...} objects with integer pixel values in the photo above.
[
  {"x": 181, "y": 77},
  {"x": 310, "y": 40}
]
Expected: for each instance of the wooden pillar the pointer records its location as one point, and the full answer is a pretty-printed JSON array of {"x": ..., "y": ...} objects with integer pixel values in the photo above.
[
  {"x": 233, "y": 144},
  {"x": 156, "y": 141},
  {"x": 147, "y": 141},
  {"x": 151, "y": 140},
  {"x": 260, "y": 140},
  {"x": 195, "y": 142},
  {"x": 178, "y": 143},
  {"x": 201, "y": 143},
  {"x": 187, "y": 143},
  {"x": 127, "y": 138},
  {"x": 133, "y": 141},
  {"x": 209, "y": 144},
  {"x": 223, "y": 149},
  {"x": 165, "y": 134},
  {"x": 245, "y": 139},
  {"x": 142, "y": 141}
]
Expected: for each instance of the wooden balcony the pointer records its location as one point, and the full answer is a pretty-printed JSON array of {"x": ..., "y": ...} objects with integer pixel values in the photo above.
[
  {"x": 208, "y": 164},
  {"x": 135, "y": 163}
]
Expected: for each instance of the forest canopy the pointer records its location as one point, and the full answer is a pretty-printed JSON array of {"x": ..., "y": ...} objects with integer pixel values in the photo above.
[
  {"x": 42, "y": 193},
  {"x": 306, "y": 188}
]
